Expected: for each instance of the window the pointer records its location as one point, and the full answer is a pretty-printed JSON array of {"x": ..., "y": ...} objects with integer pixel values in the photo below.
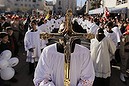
[
  {"x": 34, "y": 5},
  {"x": 25, "y": 5},
  {"x": 118, "y": 2},
  {"x": 59, "y": 2},
  {"x": 29, "y": 5},
  {"x": 16, "y": 4},
  {"x": 37, "y": 5},
  {"x": 21, "y": 4},
  {"x": 34, "y": 0}
]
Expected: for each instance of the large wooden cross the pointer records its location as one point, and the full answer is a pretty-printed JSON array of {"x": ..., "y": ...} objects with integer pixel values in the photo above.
[{"x": 68, "y": 36}]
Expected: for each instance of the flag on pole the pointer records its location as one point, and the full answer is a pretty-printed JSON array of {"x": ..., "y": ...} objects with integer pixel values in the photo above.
[{"x": 107, "y": 14}]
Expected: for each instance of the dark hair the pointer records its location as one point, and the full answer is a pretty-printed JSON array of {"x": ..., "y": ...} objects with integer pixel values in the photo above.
[
  {"x": 110, "y": 24},
  {"x": 100, "y": 31},
  {"x": 3, "y": 18},
  {"x": 9, "y": 28},
  {"x": 34, "y": 21},
  {"x": 3, "y": 34}
]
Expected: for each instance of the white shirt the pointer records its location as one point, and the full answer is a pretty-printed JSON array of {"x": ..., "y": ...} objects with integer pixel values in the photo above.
[
  {"x": 51, "y": 66},
  {"x": 101, "y": 53},
  {"x": 112, "y": 36}
]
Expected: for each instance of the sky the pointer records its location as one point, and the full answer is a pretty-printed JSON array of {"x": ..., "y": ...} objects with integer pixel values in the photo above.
[{"x": 78, "y": 2}]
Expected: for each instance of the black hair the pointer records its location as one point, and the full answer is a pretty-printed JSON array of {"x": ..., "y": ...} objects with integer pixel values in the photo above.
[
  {"x": 34, "y": 21},
  {"x": 9, "y": 28},
  {"x": 3, "y": 34},
  {"x": 110, "y": 24},
  {"x": 3, "y": 18}
]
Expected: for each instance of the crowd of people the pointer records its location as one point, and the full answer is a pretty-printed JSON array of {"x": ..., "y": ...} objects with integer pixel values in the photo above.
[{"x": 93, "y": 67}]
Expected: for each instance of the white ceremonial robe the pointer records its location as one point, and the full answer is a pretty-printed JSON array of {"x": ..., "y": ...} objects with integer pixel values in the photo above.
[
  {"x": 44, "y": 28},
  {"x": 51, "y": 67},
  {"x": 84, "y": 24},
  {"x": 32, "y": 40},
  {"x": 57, "y": 23},
  {"x": 79, "y": 20},
  {"x": 94, "y": 28},
  {"x": 62, "y": 19},
  {"x": 52, "y": 21},
  {"x": 101, "y": 53},
  {"x": 112, "y": 36},
  {"x": 118, "y": 33}
]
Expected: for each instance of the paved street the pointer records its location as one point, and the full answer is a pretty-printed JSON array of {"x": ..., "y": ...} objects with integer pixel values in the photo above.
[{"x": 26, "y": 80}]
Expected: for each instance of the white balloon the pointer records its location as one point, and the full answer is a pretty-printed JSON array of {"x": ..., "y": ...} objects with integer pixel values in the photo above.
[
  {"x": 7, "y": 73},
  {"x": 6, "y": 54},
  {"x": 4, "y": 64},
  {"x": 13, "y": 61}
]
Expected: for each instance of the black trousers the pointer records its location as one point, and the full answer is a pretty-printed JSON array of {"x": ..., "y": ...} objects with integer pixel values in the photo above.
[
  {"x": 1, "y": 82},
  {"x": 101, "y": 81},
  {"x": 31, "y": 68}
]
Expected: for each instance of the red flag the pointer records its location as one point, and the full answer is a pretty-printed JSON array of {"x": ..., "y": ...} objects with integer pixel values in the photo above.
[{"x": 107, "y": 14}]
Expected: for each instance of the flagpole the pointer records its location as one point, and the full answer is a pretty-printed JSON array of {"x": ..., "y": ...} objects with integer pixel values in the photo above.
[{"x": 87, "y": 6}]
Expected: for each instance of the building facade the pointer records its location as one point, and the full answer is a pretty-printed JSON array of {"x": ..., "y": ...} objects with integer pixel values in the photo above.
[
  {"x": 118, "y": 4},
  {"x": 93, "y": 4},
  {"x": 119, "y": 7},
  {"x": 22, "y": 5},
  {"x": 61, "y": 6}
]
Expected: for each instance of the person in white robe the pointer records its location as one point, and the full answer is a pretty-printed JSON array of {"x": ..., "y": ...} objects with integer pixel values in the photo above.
[
  {"x": 56, "y": 25},
  {"x": 50, "y": 68},
  {"x": 52, "y": 21},
  {"x": 118, "y": 33},
  {"x": 102, "y": 48},
  {"x": 93, "y": 28},
  {"x": 111, "y": 35},
  {"x": 33, "y": 45},
  {"x": 45, "y": 27},
  {"x": 89, "y": 26},
  {"x": 84, "y": 24}
]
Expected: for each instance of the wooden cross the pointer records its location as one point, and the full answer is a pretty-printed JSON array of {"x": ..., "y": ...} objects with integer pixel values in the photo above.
[{"x": 68, "y": 36}]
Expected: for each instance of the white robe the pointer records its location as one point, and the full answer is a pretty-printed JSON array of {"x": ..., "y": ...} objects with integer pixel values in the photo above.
[
  {"x": 32, "y": 40},
  {"x": 84, "y": 24},
  {"x": 51, "y": 67},
  {"x": 101, "y": 53},
  {"x": 112, "y": 36},
  {"x": 52, "y": 24},
  {"x": 44, "y": 28},
  {"x": 94, "y": 28},
  {"x": 118, "y": 33}
]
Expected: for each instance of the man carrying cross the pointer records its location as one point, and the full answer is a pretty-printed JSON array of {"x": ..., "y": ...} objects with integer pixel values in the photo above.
[{"x": 50, "y": 68}]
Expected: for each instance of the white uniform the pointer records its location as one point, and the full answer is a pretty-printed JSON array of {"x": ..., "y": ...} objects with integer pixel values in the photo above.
[
  {"x": 45, "y": 28},
  {"x": 51, "y": 67},
  {"x": 101, "y": 53},
  {"x": 32, "y": 40},
  {"x": 52, "y": 21},
  {"x": 112, "y": 36},
  {"x": 94, "y": 28},
  {"x": 118, "y": 33}
]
